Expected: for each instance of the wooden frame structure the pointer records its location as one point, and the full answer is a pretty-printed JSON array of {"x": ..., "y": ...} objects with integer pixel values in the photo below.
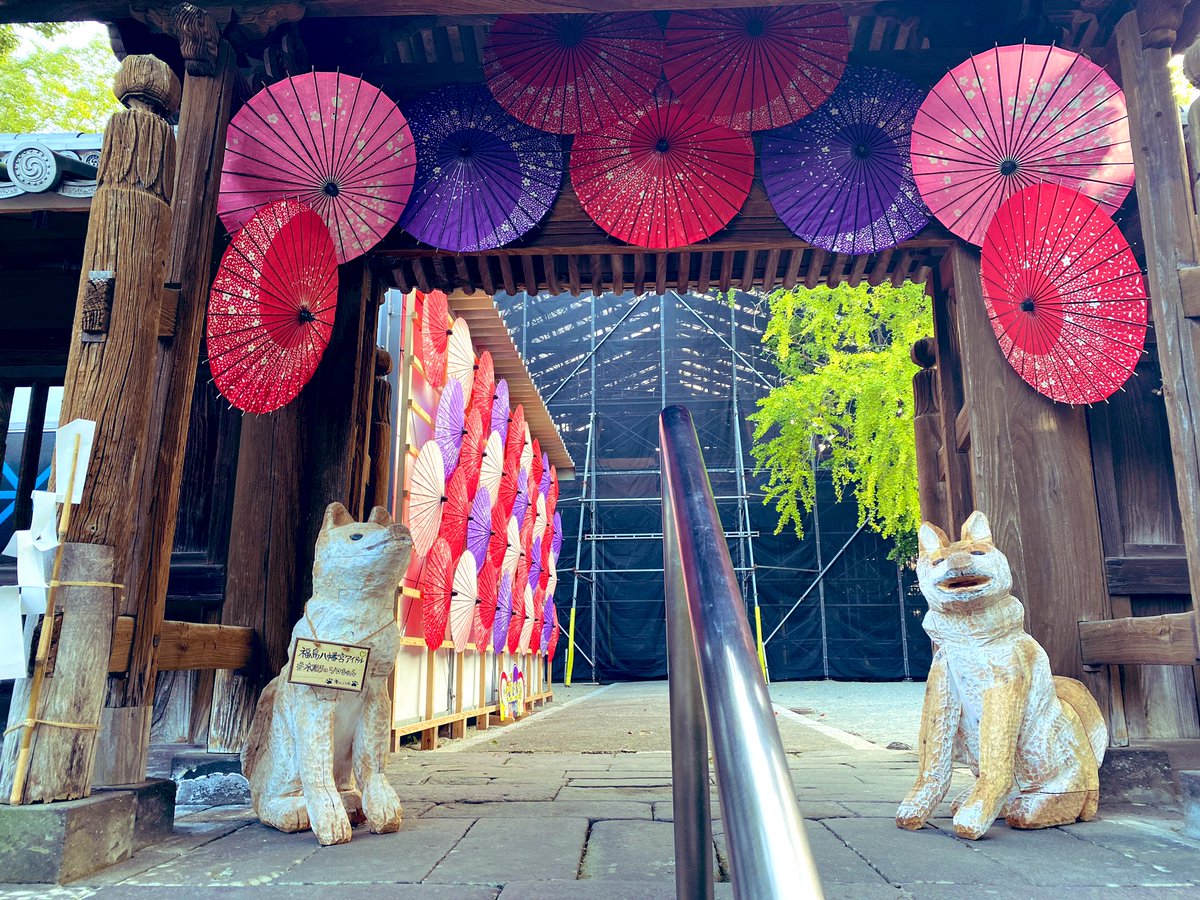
[{"x": 1102, "y": 531}]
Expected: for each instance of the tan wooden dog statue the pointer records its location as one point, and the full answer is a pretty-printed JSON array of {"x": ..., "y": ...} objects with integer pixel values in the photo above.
[
  {"x": 1034, "y": 740},
  {"x": 316, "y": 751}
]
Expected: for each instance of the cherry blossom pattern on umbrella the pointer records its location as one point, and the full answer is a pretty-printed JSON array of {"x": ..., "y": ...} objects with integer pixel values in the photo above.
[
  {"x": 1016, "y": 116},
  {"x": 271, "y": 307},
  {"x": 335, "y": 143},
  {"x": 1064, "y": 293},
  {"x": 572, "y": 73},
  {"x": 759, "y": 67}
]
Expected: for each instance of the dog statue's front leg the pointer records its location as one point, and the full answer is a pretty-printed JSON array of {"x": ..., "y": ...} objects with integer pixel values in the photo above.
[
  {"x": 999, "y": 729},
  {"x": 380, "y": 803},
  {"x": 939, "y": 723},
  {"x": 313, "y": 731}
]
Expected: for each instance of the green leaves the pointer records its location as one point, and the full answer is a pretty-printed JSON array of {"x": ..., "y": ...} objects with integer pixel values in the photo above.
[
  {"x": 55, "y": 78},
  {"x": 846, "y": 394}
]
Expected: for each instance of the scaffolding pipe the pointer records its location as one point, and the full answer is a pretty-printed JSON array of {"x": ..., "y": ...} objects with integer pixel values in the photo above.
[
  {"x": 820, "y": 577},
  {"x": 587, "y": 459}
]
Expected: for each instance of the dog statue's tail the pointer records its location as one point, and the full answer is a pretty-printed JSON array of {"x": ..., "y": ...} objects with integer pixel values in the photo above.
[{"x": 1075, "y": 695}]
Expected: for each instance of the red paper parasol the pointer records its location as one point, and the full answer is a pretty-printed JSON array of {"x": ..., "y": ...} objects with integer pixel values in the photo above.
[
  {"x": 271, "y": 307},
  {"x": 527, "y": 534},
  {"x": 485, "y": 609},
  {"x": 571, "y": 73},
  {"x": 435, "y": 587},
  {"x": 758, "y": 67},
  {"x": 456, "y": 511},
  {"x": 520, "y": 609},
  {"x": 491, "y": 467},
  {"x": 552, "y": 494},
  {"x": 1064, "y": 293},
  {"x": 426, "y": 494},
  {"x": 463, "y": 599},
  {"x": 434, "y": 336},
  {"x": 534, "y": 638},
  {"x": 553, "y": 637},
  {"x": 332, "y": 141},
  {"x": 663, "y": 178},
  {"x": 535, "y": 468},
  {"x": 527, "y": 453},
  {"x": 1016, "y": 116},
  {"x": 483, "y": 389},
  {"x": 470, "y": 457},
  {"x": 460, "y": 358},
  {"x": 506, "y": 497},
  {"x": 516, "y": 434},
  {"x": 499, "y": 536}
]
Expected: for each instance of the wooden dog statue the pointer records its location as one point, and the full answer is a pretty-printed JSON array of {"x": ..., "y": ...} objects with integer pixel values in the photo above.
[
  {"x": 315, "y": 755},
  {"x": 1033, "y": 740}
]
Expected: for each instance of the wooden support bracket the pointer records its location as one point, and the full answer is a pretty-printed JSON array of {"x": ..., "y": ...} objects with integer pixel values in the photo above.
[
  {"x": 97, "y": 305},
  {"x": 169, "y": 310},
  {"x": 1168, "y": 640},
  {"x": 1189, "y": 289},
  {"x": 188, "y": 645}
]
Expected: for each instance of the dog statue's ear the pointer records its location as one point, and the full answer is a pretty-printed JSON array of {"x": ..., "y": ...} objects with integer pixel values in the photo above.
[
  {"x": 380, "y": 516},
  {"x": 976, "y": 528},
  {"x": 336, "y": 516},
  {"x": 931, "y": 538}
]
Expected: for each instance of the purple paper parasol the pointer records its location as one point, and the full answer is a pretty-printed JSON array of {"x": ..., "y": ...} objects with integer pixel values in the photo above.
[
  {"x": 535, "y": 561},
  {"x": 544, "y": 487},
  {"x": 483, "y": 179},
  {"x": 547, "y": 621},
  {"x": 500, "y": 410},
  {"x": 503, "y": 613},
  {"x": 479, "y": 527},
  {"x": 448, "y": 425},
  {"x": 521, "y": 503},
  {"x": 841, "y": 178},
  {"x": 556, "y": 541}
]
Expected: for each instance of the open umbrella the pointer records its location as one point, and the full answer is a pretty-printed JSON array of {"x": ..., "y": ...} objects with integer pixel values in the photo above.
[
  {"x": 512, "y": 546},
  {"x": 553, "y": 636},
  {"x": 506, "y": 495},
  {"x": 1012, "y": 117},
  {"x": 520, "y": 607},
  {"x": 435, "y": 334},
  {"x": 435, "y": 587},
  {"x": 479, "y": 527},
  {"x": 556, "y": 543},
  {"x": 571, "y": 73},
  {"x": 271, "y": 307},
  {"x": 331, "y": 141},
  {"x": 504, "y": 611},
  {"x": 498, "y": 541},
  {"x": 470, "y": 456},
  {"x": 488, "y": 584},
  {"x": 552, "y": 493},
  {"x": 426, "y": 495},
  {"x": 547, "y": 622},
  {"x": 533, "y": 641},
  {"x": 1064, "y": 293},
  {"x": 516, "y": 434},
  {"x": 527, "y": 456},
  {"x": 463, "y": 598},
  {"x": 449, "y": 423},
  {"x": 491, "y": 467},
  {"x": 758, "y": 67},
  {"x": 460, "y": 358},
  {"x": 663, "y": 178},
  {"x": 521, "y": 500},
  {"x": 841, "y": 178},
  {"x": 483, "y": 389},
  {"x": 544, "y": 483},
  {"x": 535, "y": 468},
  {"x": 483, "y": 178},
  {"x": 535, "y": 561},
  {"x": 500, "y": 410},
  {"x": 456, "y": 511}
]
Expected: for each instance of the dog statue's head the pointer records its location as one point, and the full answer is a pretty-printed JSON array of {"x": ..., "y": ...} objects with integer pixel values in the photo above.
[
  {"x": 955, "y": 574},
  {"x": 364, "y": 552}
]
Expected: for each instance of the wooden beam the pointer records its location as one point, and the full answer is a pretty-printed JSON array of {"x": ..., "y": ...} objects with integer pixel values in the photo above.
[
  {"x": 596, "y": 263},
  {"x": 684, "y": 275},
  {"x": 618, "y": 272},
  {"x": 704, "y": 276},
  {"x": 1172, "y": 239},
  {"x": 639, "y": 273},
  {"x": 187, "y": 645},
  {"x": 748, "y": 269},
  {"x": 573, "y": 274},
  {"x": 1168, "y": 640},
  {"x": 1134, "y": 575},
  {"x": 816, "y": 262}
]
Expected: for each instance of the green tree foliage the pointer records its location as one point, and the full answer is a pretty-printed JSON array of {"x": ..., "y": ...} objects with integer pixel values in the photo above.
[
  {"x": 847, "y": 388},
  {"x": 55, "y": 78}
]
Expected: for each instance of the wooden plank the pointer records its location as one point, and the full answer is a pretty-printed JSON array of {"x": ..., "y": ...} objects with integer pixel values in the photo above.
[
  {"x": 962, "y": 428},
  {"x": 573, "y": 274},
  {"x": 725, "y": 279},
  {"x": 816, "y": 262},
  {"x": 506, "y": 275},
  {"x": 188, "y": 645},
  {"x": 1146, "y": 575},
  {"x": 857, "y": 270},
  {"x": 1168, "y": 640},
  {"x": 705, "y": 274},
  {"x": 748, "y": 269},
  {"x": 879, "y": 270},
  {"x": 485, "y": 275},
  {"x": 837, "y": 269},
  {"x": 957, "y": 476},
  {"x": 617, "y": 260},
  {"x": 900, "y": 273},
  {"x": 1033, "y": 479},
  {"x": 548, "y": 266},
  {"x": 596, "y": 263},
  {"x": 792, "y": 275},
  {"x": 639, "y": 273},
  {"x": 1172, "y": 239},
  {"x": 684, "y": 279},
  {"x": 660, "y": 273},
  {"x": 770, "y": 270},
  {"x": 531, "y": 281}
]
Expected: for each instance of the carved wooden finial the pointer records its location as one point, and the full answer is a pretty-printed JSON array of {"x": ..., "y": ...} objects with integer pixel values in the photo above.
[
  {"x": 146, "y": 82},
  {"x": 383, "y": 363},
  {"x": 199, "y": 38},
  {"x": 924, "y": 353}
]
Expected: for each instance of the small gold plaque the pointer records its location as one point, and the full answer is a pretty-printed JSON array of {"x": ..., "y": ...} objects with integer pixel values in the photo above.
[{"x": 342, "y": 667}]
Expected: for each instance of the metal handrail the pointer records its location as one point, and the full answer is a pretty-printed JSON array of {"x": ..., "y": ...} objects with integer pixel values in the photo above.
[{"x": 713, "y": 668}]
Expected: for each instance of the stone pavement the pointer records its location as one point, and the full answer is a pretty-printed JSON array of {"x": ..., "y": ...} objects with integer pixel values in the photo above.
[{"x": 575, "y": 803}]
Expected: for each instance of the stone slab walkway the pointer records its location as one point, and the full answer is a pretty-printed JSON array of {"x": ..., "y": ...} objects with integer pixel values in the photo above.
[{"x": 575, "y": 803}]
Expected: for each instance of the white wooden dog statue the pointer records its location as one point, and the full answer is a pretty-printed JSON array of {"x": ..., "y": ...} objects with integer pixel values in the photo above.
[
  {"x": 1034, "y": 740},
  {"x": 315, "y": 755}
]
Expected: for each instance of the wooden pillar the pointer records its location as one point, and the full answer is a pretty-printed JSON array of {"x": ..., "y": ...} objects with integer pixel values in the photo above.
[
  {"x": 927, "y": 425},
  {"x": 1033, "y": 480},
  {"x": 1170, "y": 232},
  {"x": 109, "y": 379},
  {"x": 380, "y": 444},
  {"x": 954, "y": 459},
  {"x": 204, "y": 116}
]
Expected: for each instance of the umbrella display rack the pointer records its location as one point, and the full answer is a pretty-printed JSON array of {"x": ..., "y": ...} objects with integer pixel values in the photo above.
[{"x": 435, "y": 686}]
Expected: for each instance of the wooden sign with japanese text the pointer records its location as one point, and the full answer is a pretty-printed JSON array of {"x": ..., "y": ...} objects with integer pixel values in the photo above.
[{"x": 342, "y": 667}]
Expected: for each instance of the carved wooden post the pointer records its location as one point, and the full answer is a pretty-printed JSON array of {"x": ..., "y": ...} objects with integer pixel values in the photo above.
[
  {"x": 927, "y": 423},
  {"x": 109, "y": 380},
  {"x": 1172, "y": 240},
  {"x": 204, "y": 116},
  {"x": 380, "y": 443}
]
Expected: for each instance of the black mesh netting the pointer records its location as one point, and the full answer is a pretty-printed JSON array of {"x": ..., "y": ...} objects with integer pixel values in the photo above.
[{"x": 615, "y": 362}]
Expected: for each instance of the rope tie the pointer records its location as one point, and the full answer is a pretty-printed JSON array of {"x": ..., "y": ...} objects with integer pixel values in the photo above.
[{"x": 30, "y": 723}]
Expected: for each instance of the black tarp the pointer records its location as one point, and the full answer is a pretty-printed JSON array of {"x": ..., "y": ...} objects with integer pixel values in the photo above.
[{"x": 622, "y": 359}]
